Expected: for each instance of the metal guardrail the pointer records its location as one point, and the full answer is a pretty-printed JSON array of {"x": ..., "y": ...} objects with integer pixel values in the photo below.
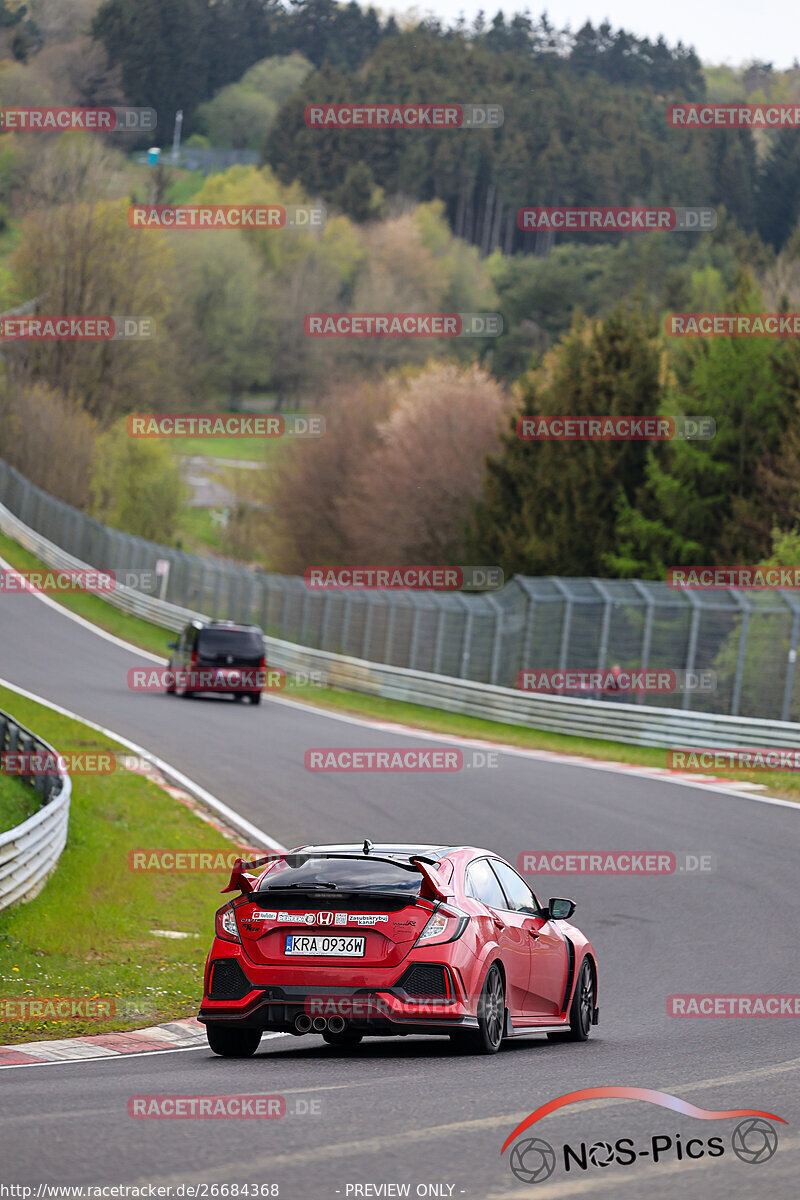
[
  {"x": 30, "y": 851},
  {"x": 629, "y": 723},
  {"x": 633, "y": 724}
]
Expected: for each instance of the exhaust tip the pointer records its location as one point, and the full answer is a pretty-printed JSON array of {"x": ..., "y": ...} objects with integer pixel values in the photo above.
[
  {"x": 302, "y": 1022},
  {"x": 337, "y": 1024},
  {"x": 320, "y": 1024}
]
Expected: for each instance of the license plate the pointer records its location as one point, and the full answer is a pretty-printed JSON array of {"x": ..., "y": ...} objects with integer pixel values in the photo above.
[{"x": 325, "y": 946}]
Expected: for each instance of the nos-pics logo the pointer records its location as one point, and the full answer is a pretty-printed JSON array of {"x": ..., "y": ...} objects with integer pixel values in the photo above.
[{"x": 532, "y": 1160}]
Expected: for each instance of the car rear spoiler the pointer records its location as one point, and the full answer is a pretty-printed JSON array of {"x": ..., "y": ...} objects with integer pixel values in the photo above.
[
  {"x": 433, "y": 886},
  {"x": 240, "y": 880}
]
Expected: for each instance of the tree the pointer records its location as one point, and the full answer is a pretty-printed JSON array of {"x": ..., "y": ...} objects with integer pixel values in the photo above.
[
  {"x": 314, "y": 476},
  {"x": 411, "y": 498},
  {"x": 79, "y": 257},
  {"x": 550, "y": 507},
  {"x": 136, "y": 485},
  {"x": 704, "y": 502},
  {"x": 50, "y": 440}
]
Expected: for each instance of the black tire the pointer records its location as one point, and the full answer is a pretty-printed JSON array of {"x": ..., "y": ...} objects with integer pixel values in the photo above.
[
  {"x": 239, "y": 696},
  {"x": 255, "y": 697},
  {"x": 581, "y": 1009},
  {"x": 488, "y": 1037},
  {"x": 233, "y": 1043},
  {"x": 348, "y": 1037}
]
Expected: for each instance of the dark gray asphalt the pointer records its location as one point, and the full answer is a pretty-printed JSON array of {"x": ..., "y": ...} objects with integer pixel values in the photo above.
[{"x": 410, "y": 1111}]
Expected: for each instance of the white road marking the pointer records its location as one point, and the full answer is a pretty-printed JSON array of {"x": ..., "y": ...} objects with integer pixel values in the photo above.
[{"x": 552, "y": 756}]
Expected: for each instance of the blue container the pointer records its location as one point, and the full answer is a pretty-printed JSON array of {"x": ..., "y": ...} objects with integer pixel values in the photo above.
[{"x": 153, "y": 155}]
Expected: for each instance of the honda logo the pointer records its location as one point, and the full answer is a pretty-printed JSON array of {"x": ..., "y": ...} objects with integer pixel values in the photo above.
[{"x": 325, "y": 918}]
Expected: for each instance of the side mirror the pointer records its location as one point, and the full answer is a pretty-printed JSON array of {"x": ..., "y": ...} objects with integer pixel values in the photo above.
[
  {"x": 172, "y": 645},
  {"x": 559, "y": 909}
]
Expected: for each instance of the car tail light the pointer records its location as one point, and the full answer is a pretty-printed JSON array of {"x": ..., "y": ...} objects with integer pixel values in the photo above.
[
  {"x": 193, "y": 659},
  {"x": 445, "y": 924},
  {"x": 225, "y": 923}
]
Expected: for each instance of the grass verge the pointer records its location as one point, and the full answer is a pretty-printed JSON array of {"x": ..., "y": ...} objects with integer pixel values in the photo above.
[
  {"x": 17, "y": 802},
  {"x": 89, "y": 932},
  {"x": 150, "y": 637}
]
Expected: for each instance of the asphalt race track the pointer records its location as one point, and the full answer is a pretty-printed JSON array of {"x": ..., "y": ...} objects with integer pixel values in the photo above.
[{"x": 412, "y": 1111}]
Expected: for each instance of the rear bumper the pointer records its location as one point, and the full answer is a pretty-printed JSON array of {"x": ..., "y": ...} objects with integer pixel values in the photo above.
[{"x": 376, "y": 1005}]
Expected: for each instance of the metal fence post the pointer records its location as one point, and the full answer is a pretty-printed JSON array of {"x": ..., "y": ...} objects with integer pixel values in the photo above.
[
  {"x": 606, "y": 626},
  {"x": 647, "y": 631},
  {"x": 746, "y": 607},
  {"x": 367, "y": 628},
  {"x": 304, "y": 616},
  {"x": 498, "y": 631},
  {"x": 390, "y": 628},
  {"x": 565, "y": 624},
  {"x": 691, "y": 652},
  {"x": 439, "y": 637},
  {"x": 527, "y": 644},
  {"x": 346, "y": 621},
  {"x": 791, "y": 657},
  {"x": 465, "y": 648},
  {"x": 412, "y": 649}
]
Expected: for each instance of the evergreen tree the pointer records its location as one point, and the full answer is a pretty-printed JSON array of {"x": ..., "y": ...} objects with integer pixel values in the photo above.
[{"x": 549, "y": 507}]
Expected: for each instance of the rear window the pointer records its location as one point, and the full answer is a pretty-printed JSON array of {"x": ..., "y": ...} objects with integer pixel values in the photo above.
[
  {"x": 359, "y": 875},
  {"x": 241, "y": 643}
]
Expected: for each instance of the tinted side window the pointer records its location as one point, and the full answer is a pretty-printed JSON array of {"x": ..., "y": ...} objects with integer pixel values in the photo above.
[
  {"x": 519, "y": 894},
  {"x": 482, "y": 884}
]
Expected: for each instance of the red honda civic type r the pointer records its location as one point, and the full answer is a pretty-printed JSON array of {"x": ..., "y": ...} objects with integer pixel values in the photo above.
[{"x": 377, "y": 940}]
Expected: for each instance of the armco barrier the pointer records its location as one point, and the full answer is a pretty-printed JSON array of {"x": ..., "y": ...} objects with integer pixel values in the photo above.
[
  {"x": 630, "y": 723},
  {"x": 29, "y": 852}
]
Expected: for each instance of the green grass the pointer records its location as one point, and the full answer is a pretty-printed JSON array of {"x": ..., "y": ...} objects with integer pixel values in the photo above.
[
  {"x": 88, "y": 933},
  {"x": 252, "y": 449},
  {"x": 141, "y": 633},
  {"x": 17, "y": 802},
  {"x": 199, "y": 532}
]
